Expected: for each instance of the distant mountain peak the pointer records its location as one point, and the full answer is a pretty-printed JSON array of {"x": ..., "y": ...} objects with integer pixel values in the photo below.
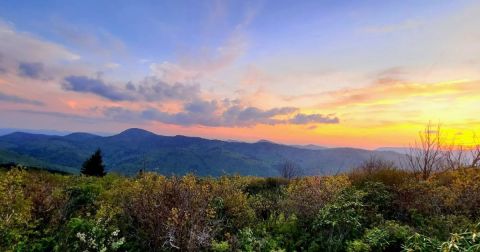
[{"x": 135, "y": 132}]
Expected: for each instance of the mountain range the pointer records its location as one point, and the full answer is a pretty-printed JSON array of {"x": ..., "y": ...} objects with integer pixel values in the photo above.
[{"x": 134, "y": 149}]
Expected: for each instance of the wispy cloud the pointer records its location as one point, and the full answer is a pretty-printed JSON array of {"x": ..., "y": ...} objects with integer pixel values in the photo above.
[
  {"x": 24, "y": 47},
  {"x": 61, "y": 115},
  {"x": 16, "y": 99},
  {"x": 395, "y": 91},
  {"x": 93, "y": 41}
]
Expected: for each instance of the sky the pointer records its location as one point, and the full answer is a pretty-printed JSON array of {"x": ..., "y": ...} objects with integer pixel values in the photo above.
[{"x": 334, "y": 73}]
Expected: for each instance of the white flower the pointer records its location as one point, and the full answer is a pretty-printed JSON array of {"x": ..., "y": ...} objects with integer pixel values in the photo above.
[
  {"x": 116, "y": 232},
  {"x": 81, "y": 236}
]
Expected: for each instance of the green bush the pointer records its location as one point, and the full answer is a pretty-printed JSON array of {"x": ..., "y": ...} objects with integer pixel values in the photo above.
[
  {"x": 466, "y": 241},
  {"x": 250, "y": 241},
  {"x": 340, "y": 221},
  {"x": 388, "y": 236},
  {"x": 81, "y": 200},
  {"x": 91, "y": 235},
  {"x": 421, "y": 243}
]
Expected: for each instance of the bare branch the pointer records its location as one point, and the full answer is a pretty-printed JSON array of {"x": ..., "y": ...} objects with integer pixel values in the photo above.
[
  {"x": 289, "y": 170},
  {"x": 425, "y": 156}
]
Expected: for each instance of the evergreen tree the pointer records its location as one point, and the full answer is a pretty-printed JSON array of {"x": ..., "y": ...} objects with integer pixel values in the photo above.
[{"x": 94, "y": 165}]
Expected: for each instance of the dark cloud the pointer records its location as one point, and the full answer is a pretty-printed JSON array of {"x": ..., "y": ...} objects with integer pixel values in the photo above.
[
  {"x": 153, "y": 89},
  {"x": 32, "y": 70},
  {"x": 121, "y": 114},
  {"x": 130, "y": 86},
  {"x": 202, "y": 107},
  {"x": 313, "y": 118},
  {"x": 16, "y": 99},
  {"x": 85, "y": 84},
  {"x": 150, "y": 89},
  {"x": 208, "y": 113},
  {"x": 240, "y": 116},
  {"x": 212, "y": 114},
  {"x": 196, "y": 113}
]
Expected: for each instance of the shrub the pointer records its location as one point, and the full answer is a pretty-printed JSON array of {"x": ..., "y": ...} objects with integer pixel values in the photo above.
[
  {"x": 378, "y": 170},
  {"x": 340, "y": 221},
  {"x": 231, "y": 203},
  {"x": 91, "y": 235},
  {"x": 465, "y": 192},
  {"x": 421, "y": 243},
  {"x": 465, "y": 241},
  {"x": 249, "y": 241},
  {"x": 170, "y": 213},
  {"x": 389, "y": 236},
  {"x": 261, "y": 185},
  {"x": 419, "y": 199},
  {"x": 442, "y": 226},
  {"x": 378, "y": 200},
  {"x": 15, "y": 209},
  {"x": 306, "y": 196},
  {"x": 81, "y": 200}
]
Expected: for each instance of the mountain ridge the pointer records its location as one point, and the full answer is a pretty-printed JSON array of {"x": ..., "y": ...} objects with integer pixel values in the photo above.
[{"x": 134, "y": 149}]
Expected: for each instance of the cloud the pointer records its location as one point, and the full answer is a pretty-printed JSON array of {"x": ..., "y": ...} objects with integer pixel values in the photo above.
[
  {"x": 121, "y": 114},
  {"x": 172, "y": 73},
  {"x": 396, "y": 91},
  {"x": 314, "y": 118},
  {"x": 18, "y": 46},
  {"x": 155, "y": 89},
  {"x": 32, "y": 70},
  {"x": 85, "y": 84},
  {"x": 16, "y": 99},
  {"x": 202, "y": 107},
  {"x": 204, "y": 61},
  {"x": 220, "y": 114},
  {"x": 93, "y": 41},
  {"x": 247, "y": 116},
  {"x": 149, "y": 89},
  {"x": 32, "y": 57}
]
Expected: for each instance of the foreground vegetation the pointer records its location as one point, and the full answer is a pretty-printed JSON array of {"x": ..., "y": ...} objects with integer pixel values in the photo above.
[{"x": 371, "y": 209}]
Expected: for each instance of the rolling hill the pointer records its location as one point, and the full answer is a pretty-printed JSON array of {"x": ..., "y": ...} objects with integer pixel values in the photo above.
[{"x": 136, "y": 149}]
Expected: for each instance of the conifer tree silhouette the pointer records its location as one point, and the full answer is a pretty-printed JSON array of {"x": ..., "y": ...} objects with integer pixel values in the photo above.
[{"x": 93, "y": 166}]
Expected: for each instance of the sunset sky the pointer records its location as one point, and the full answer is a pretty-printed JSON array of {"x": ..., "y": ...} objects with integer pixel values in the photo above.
[{"x": 334, "y": 73}]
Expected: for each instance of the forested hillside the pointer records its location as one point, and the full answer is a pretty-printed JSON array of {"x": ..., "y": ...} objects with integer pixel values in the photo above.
[{"x": 134, "y": 149}]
